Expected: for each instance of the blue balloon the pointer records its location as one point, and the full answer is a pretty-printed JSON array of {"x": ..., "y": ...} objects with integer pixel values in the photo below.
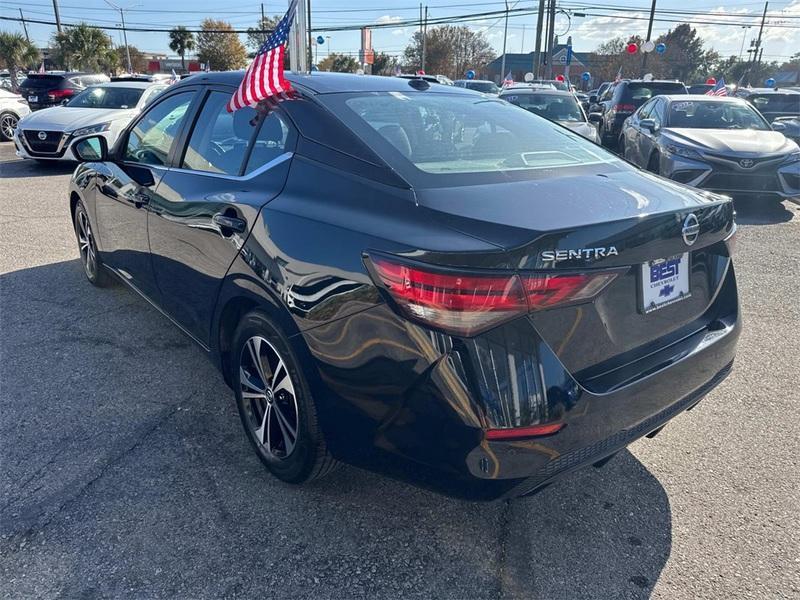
[
  {"x": 770, "y": 82},
  {"x": 320, "y": 40},
  {"x": 586, "y": 76},
  {"x": 470, "y": 74},
  {"x": 661, "y": 48}
]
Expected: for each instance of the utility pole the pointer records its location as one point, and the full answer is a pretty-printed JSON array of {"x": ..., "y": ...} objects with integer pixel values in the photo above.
[
  {"x": 537, "y": 49},
  {"x": 760, "y": 31},
  {"x": 550, "y": 37},
  {"x": 263, "y": 17},
  {"x": 24, "y": 26},
  {"x": 649, "y": 32},
  {"x": 505, "y": 39},
  {"x": 424, "y": 38},
  {"x": 58, "y": 16},
  {"x": 421, "y": 42},
  {"x": 310, "y": 39}
]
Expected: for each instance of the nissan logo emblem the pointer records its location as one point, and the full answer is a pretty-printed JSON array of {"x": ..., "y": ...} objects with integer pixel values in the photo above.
[
  {"x": 746, "y": 163},
  {"x": 42, "y": 135},
  {"x": 691, "y": 229}
]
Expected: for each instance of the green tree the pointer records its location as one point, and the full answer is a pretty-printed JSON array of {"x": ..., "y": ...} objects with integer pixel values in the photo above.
[
  {"x": 83, "y": 47},
  {"x": 16, "y": 54},
  {"x": 219, "y": 47},
  {"x": 181, "y": 41},
  {"x": 449, "y": 50},
  {"x": 258, "y": 35},
  {"x": 685, "y": 58},
  {"x": 338, "y": 63},
  {"x": 138, "y": 61},
  {"x": 384, "y": 64}
]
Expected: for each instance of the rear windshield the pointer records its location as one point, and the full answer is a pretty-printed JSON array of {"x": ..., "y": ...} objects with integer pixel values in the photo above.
[
  {"x": 423, "y": 135},
  {"x": 697, "y": 114},
  {"x": 487, "y": 87},
  {"x": 42, "y": 82},
  {"x": 562, "y": 108},
  {"x": 788, "y": 104},
  {"x": 639, "y": 93},
  {"x": 106, "y": 97}
]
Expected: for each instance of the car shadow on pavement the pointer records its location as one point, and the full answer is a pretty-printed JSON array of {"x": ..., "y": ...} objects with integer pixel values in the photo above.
[
  {"x": 763, "y": 211},
  {"x": 125, "y": 472},
  {"x": 19, "y": 168}
]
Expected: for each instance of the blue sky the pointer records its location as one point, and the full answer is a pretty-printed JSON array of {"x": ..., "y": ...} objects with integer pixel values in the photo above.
[{"x": 588, "y": 32}]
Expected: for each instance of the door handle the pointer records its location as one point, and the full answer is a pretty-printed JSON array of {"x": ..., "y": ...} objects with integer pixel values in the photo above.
[
  {"x": 229, "y": 223},
  {"x": 140, "y": 199}
]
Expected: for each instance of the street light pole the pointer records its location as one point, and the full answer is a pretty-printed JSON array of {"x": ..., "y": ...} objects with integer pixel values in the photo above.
[
  {"x": 124, "y": 31},
  {"x": 505, "y": 39},
  {"x": 649, "y": 33}
]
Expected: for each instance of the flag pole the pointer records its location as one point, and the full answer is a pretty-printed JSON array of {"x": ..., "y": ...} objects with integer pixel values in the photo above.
[{"x": 298, "y": 38}]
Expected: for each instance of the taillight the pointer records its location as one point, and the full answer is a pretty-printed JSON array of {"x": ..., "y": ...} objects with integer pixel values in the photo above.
[
  {"x": 458, "y": 303},
  {"x": 512, "y": 433},
  {"x": 59, "y": 94},
  {"x": 468, "y": 303},
  {"x": 624, "y": 108}
]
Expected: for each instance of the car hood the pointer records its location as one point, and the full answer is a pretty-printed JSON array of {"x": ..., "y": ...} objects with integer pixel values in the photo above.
[
  {"x": 64, "y": 118},
  {"x": 729, "y": 141}
]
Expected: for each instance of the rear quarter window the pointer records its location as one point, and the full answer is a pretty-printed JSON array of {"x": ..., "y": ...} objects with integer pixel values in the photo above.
[{"x": 639, "y": 93}]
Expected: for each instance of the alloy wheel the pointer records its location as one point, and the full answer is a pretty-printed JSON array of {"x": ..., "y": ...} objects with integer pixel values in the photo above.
[
  {"x": 8, "y": 123},
  {"x": 269, "y": 397},
  {"x": 86, "y": 245}
]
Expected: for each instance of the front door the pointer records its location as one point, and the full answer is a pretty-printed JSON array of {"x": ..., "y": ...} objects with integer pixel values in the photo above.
[
  {"x": 126, "y": 187},
  {"x": 232, "y": 165}
]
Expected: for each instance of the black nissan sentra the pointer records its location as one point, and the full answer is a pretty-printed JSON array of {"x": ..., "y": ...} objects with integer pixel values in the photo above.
[{"x": 416, "y": 279}]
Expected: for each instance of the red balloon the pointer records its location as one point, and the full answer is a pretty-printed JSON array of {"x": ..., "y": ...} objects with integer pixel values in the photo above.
[
  {"x": 711, "y": 81},
  {"x": 632, "y": 48},
  {"x": 420, "y": 72},
  {"x": 559, "y": 78}
]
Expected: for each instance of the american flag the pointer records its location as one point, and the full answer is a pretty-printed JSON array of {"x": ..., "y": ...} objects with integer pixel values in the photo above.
[
  {"x": 264, "y": 77},
  {"x": 718, "y": 90},
  {"x": 509, "y": 80}
]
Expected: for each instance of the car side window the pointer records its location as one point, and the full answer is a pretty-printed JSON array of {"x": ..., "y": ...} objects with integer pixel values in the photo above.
[
  {"x": 150, "y": 94},
  {"x": 274, "y": 138},
  {"x": 657, "y": 113},
  {"x": 644, "y": 112},
  {"x": 150, "y": 140},
  {"x": 220, "y": 139}
]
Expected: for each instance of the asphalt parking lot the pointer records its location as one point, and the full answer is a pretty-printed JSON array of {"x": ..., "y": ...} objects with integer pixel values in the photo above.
[{"x": 124, "y": 471}]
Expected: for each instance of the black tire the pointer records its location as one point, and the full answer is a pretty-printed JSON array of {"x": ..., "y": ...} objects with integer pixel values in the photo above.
[
  {"x": 654, "y": 164},
  {"x": 306, "y": 459},
  {"x": 8, "y": 122},
  {"x": 90, "y": 257}
]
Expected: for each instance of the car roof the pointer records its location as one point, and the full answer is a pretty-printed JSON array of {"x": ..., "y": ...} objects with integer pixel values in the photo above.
[
  {"x": 318, "y": 82},
  {"x": 475, "y": 81},
  {"x": 771, "y": 91},
  {"x": 535, "y": 90},
  {"x": 128, "y": 84},
  {"x": 61, "y": 74},
  {"x": 696, "y": 97}
]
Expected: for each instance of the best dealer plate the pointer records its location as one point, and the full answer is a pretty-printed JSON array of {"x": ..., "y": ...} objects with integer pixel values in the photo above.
[{"x": 665, "y": 281}]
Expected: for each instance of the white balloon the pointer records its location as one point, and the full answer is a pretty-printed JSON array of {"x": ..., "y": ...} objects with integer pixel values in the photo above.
[
  {"x": 529, "y": 77},
  {"x": 648, "y": 46}
]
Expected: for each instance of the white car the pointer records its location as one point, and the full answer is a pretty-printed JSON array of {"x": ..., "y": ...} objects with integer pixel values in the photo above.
[
  {"x": 103, "y": 109},
  {"x": 12, "y": 108}
]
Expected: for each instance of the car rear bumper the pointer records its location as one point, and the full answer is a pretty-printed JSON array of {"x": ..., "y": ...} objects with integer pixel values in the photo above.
[{"x": 400, "y": 399}]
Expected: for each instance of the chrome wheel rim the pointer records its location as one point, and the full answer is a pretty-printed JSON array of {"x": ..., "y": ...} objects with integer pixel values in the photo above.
[
  {"x": 269, "y": 397},
  {"x": 8, "y": 124},
  {"x": 86, "y": 244}
]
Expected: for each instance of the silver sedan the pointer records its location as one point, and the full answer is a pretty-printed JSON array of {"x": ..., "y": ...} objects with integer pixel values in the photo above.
[{"x": 716, "y": 143}]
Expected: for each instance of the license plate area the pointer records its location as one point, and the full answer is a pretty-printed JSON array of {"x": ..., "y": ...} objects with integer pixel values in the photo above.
[
  {"x": 664, "y": 281},
  {"x": 33, "y": 98}
]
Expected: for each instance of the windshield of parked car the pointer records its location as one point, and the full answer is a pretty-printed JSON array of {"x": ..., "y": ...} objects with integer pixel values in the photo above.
[
  {"x": 786, "y": 104},
  {"x": 487, "y": 87},
  {"x": 461, "y": 134},
  {"x": 715, "y": 115},
  {"x": 106, "y": 97},
  {"x": 561, "y": 108}
]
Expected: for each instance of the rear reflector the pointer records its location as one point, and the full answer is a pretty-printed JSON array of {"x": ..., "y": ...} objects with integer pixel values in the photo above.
[
  {"x": 468, "y": 303},
  {"x": 523, "y": 432}
]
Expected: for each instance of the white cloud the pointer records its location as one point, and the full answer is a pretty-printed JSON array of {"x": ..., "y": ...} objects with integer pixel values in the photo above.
[{"x": 383, "y": 20}]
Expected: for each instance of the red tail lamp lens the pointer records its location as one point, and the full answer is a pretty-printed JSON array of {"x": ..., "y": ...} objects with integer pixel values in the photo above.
[
  {"x": 466, "y": 304},
  {"x": 463, "y": 304},
  {"x": 524, "y": 432}
]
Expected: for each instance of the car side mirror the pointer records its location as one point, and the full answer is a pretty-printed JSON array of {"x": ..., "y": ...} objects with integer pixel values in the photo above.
[
  {"x": 593, "y": 99},
  {"x": 595, "y": 117},
  {"x": 648, "y": 124},
  {"x": 777, "y": 126},
  {"x": 91, "y": 149},
  {"x": 65, "y": 101}
]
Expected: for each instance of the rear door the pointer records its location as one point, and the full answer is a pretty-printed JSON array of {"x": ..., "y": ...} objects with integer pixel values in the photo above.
[{"x": 229, "y": 166}]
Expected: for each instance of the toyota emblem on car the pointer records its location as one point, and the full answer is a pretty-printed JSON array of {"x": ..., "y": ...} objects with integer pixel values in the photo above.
[
  {"x": 691, "y": 229},
  {"x": 746, "y": 163}
]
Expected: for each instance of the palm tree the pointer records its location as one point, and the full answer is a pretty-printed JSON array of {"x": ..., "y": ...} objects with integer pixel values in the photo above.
[
  {"x": 181, "y": 40},
  {"x": 82, "y": 47},
  {"x": 16, "y": 53}
]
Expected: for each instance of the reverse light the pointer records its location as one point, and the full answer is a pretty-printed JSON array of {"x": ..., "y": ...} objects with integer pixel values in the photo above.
[{"x": 466, "y": 304}]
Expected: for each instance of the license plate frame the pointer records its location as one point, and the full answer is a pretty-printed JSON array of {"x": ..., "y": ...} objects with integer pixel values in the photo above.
[
  {"x": 668, "y": 284},
  {"x": 33, "y": 98}
]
